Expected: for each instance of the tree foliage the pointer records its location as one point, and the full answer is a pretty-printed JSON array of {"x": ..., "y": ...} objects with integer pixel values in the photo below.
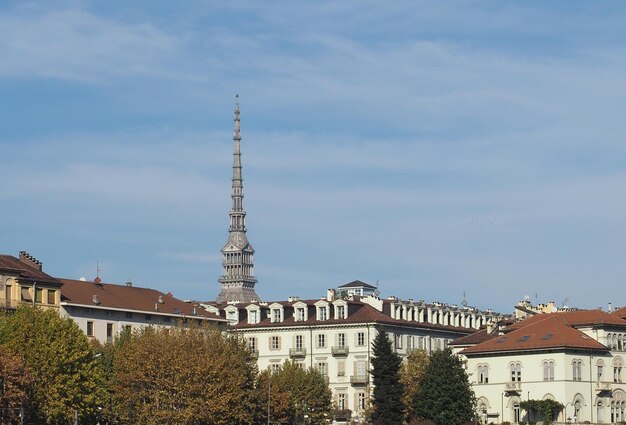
[
  {"x": 183, "y": 376},
  {"x": 411, "y": 375},
  {"x": 16, "y": 383},
  {"x": 295, "y": 392},
  {"x": 546, "y": 408},
  {"x": 444, "y": 395},
  {"x": 57, "y": 352},
  {"x": 387, "y": 405}
]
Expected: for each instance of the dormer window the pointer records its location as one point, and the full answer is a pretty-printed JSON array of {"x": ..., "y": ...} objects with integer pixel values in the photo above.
[
  {"x": 276, "y": 315},
  {"x": 254, "y": 317},
  {"x": 322, "y": 313},
  {"x": 300, "y": 314},
  {"x": 341, "y": 312}
]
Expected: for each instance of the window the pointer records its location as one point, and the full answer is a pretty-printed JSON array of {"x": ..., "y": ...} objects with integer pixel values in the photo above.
[
  {"x": 252, "y": 344},
  {"x": 147, "y": 316},
  {"x": 360, "y": 401},
  {"x": 341, "y": 368},
  {"x": 421, "y": 342},
  {"x": 360, "y": 339},
  {"x": 276, "y": 315},
  {"x": 299, "y": 342},
  {"x": 600, "y": 371},
  {"x": 483, "y": 374},
  {"x": 89, "y": 328},
  {"x": 577, "y": 366},
  {"x": 322, "y": 367},
  {"x": 167, "y": 319},
  {"x": 274, "y": 343},
  {"x": 25, "y": 295},
  {"x": 253, "y": 316},
  {"x": 360, "y": 368},
  {"x": 128, "y": 328},
  {"x": 516, "y": 372},
  {"x": 38, "y": 295},
  {"x": 129, "y": 315},
  {"x": 322, "y": 313},
  {"x": 516, "y": 413},
  {"x": 109, "y": 332},
  {"x": 321, "y": 341},
  {"x": 300, "y": 314},
  {"x": 275, "y": 367},
  {"x": 577, "y": 410},
  {"x": 399, "y": 339},
  {"x": 341, "y": 340},
  {"x": 548, "y": 371},
  {"x": 52, "y": 296},
  {"x": 600, "y": 412},
  {"x": 341, "y": 401},
  {"x": 617, "y": 370},
  {"x": 341, "y": 310}
]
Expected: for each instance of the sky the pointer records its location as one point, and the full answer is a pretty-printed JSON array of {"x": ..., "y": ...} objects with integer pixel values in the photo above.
[{"x": 442, "y": 150}]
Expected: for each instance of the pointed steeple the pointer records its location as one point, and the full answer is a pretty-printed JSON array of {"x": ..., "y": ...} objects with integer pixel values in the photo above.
[{"x": 237, "y": 280}]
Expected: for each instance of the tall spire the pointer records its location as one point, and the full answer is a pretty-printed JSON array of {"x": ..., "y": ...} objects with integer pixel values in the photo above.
[{"x": 237, "y": 280}]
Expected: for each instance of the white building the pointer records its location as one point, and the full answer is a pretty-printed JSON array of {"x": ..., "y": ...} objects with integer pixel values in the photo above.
[
  {"x": 576, "y": 358},
  {"x": 335, "y": 335}
]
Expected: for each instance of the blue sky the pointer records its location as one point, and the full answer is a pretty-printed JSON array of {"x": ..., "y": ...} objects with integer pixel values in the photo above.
[{"x": 435, "y": 147}]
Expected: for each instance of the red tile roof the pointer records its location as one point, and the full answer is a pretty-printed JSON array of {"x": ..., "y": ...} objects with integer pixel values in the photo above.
[
  {"x": 620, "y": 312},
  {"x": 542, "y": 332},
  {"x": 26, "y": 272},
  {"x": 124, "y": 297},
  {"x": 364, "y": 313},
  {"x": 477, "y": 337},
  {"x": 576, "y": 318}
]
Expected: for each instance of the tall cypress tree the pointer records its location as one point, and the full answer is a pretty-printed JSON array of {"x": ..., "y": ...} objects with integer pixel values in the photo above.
[
  {"x": 444, "y": 394},
  {"x": 387, "y": 403}
]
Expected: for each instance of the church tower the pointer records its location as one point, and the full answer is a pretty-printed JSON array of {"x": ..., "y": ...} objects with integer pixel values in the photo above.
[{"x": 237, "y": 280}]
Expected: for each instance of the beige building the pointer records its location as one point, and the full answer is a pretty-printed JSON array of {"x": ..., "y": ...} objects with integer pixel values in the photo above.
[{"x": 22, "y": 281}]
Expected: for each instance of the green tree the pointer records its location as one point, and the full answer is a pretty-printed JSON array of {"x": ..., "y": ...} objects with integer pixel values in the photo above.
[
  {"x": 183, "y": 376},
  {"x": 444, "y": 395},
  {"x": 548, "y": 409},
  {"x": 295, "y": 392},
  {"x": 387, "y": 406},
  {"x": 16, "y": 382},
  {"x": 57, "y": 352},
  {"x": 411, "y": 375}
]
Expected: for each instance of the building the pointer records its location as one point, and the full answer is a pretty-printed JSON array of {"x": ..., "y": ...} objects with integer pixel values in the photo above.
[
  {"x": 573, "y": 357},
  {"x": 335, "y": 335},
  {"x": 22, "y": 281},
  {"x": 357, "y": 287},
  {"x": 103, "y": 310},
  {"x": 237, "y": 280}
]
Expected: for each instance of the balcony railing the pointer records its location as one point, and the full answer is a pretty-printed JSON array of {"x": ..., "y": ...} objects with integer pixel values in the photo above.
[
  {"x": 297, "y": 352},
  {"x": 359, "y": 379},
  {"x": 513, "y": 386},
  {"x": 340, "y": 350},
  {"x": 603, "y": 386}
]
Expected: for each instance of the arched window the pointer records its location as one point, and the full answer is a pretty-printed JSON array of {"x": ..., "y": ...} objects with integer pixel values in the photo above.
[
  {"x": 600, "y": 411},
  {"x": 577, "y": 366},
  {"x": 516, "y": 372},
  {"x": 516, "y": 413},
  {"x": 609, "y": 341},
  {"x": 548, "y": 370},
  {"x": 482, "y": 411},
  {"x": 600, "y": 370},
  {"x": 577, "y": 411},
  {"x": 482, "y": 374},
  {"x": 617, "y": 370}
]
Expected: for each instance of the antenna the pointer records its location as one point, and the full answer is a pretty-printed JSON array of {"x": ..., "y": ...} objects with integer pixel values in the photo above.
[
  {"x": 464, "y": 302},
  {"x": 98, "y": 269}
]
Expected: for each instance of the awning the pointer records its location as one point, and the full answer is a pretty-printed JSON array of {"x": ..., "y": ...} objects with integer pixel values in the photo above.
[{"x": 26, "y": 295}]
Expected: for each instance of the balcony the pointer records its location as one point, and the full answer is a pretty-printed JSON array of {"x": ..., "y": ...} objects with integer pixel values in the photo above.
[
  {"x": 297, "y": 352},
  {"x": 513, "y": 387},
  {"x": 603, "y": 386},
  {"x": 359, "y": 379},
  {"x": 340, "y": 350}
]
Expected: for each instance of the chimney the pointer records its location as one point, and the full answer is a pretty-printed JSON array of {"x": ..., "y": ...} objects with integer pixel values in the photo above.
[
  {"x": 161, "y": 300},
  {"x": 293, "y": 299},
  {"x": 129, "y": 284},
  {"x": 610, "y": 307},
  {"x": 330, "y": 295},
  {"x": 95, "y": 299},
  {"x": 31, "y": 261},
  {"x": 97, "y": 280}
]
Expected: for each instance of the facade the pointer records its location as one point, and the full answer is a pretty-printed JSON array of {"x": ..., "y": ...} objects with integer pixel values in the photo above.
[
  {"x": 22, "y": 281},
  {"x": 335, "y": 335},
  {"x": 103, "y": 310},
  {"x": 573, "y": 357}
]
